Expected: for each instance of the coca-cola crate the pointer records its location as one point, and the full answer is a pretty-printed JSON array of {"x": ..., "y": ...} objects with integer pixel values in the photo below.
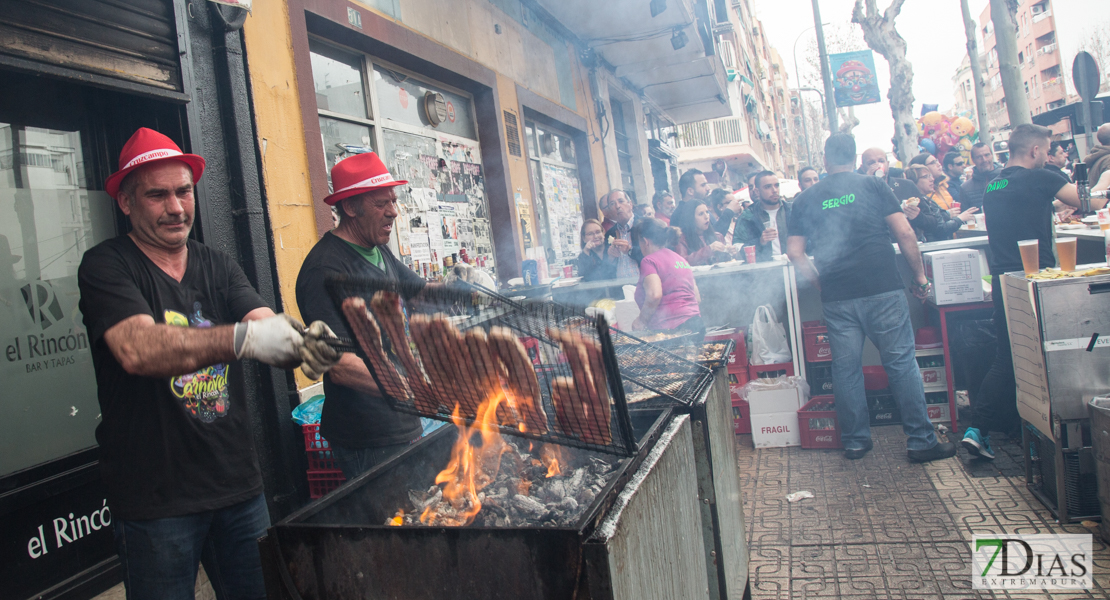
[
  {"x": 775, "y": 370},
  {"x": 738, "y": 360},
  {"x": 817, "y": 423},
  {"x": 816, "y": 336},
  {"x": 741, "y": 416},
  {"x": 882, "y": 408},
  {"x": 819, "y": 378},
  {"x": 323, "y": 481}
]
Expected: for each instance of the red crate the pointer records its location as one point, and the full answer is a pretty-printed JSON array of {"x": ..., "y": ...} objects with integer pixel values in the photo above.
[
  {"x": 313, "y": 441},
  {"x": 816, "y": 335},
  {"x": 818, "y": 438},
  {"x": 741, "y": 416},
  {"x": 322, "y": 482},
  {"x": 757, "y": 371},
  {"x": 738, "y": 360},
  {"x": 875, "y": 378},
  {"x": 321, "y": 460}
]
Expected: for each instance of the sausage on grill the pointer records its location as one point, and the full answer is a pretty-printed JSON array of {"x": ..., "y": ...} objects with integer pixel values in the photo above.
[
  {"x": 369, "y": 337},
  {"x": 387, "y": 307},
  {"x": 522, "y": 385}
]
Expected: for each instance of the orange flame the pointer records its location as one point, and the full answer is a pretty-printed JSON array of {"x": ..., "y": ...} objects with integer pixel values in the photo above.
[
  {"x": 471, "y": 467},
  {"x": 552, "y": 456},
  {"x": 398, "y": 519}
]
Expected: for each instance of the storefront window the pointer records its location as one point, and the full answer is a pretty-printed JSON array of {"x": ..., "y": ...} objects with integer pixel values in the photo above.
[
  {"x": 48, "y": 219},
  {"x": 343, "y": 139},
  {"x": 337, "y": 77},
  {"x": 401, "y": 98},
  {"x": 558, "y": 193}
]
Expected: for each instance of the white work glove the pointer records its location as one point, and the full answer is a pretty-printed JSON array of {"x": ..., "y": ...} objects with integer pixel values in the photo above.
[
  {"x": 275, "y": 340},
  {"x": 317, "y": 355}
]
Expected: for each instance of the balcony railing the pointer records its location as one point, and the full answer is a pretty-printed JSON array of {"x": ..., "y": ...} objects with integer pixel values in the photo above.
[
  {"x": 1048, "y": 49},
  {"x": 717, "y": 132},
  {"x": 1042, "y": 16},
  {"x": 1055, "y": 81}
]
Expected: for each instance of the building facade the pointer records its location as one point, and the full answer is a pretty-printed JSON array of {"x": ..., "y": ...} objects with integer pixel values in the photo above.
[
  {"x": 758, "y": 135},
  {"x": 1042, "y": 69}
]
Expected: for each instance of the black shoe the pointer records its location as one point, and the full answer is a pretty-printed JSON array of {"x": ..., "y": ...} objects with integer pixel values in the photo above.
[
  {"x": 858, "y": 453},
  {"x": 941, "y": 450}
]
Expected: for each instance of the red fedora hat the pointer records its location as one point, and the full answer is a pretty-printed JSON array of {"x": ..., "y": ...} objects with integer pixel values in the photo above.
[
  {"x": 357, "y": 174},
  {"x": 147, "y": 146}
]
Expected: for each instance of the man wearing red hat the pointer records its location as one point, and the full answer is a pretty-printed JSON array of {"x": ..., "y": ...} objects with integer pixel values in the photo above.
[
  {"x": 361, "y": 429},
  {"x": 168, "y": 318}
]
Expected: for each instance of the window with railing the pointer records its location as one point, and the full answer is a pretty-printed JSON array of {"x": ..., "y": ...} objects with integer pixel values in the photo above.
[{"x": 710, "y": 133}]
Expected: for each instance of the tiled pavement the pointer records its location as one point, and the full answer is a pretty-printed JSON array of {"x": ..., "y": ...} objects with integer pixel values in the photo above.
[{"x": 884, "y": 528}]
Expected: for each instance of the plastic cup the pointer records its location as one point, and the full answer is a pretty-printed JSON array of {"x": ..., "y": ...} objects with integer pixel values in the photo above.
[
  {"x": 568, "y": 271},
  {"x": 956, "y": 205},
  {"x": 1030, "y": 256},
  {"x": 1104, "y": 219},
  {"x": 981, "y": 222},
  {"x": 1065, "y": 249},
  {"x": 749, "y": 254}
]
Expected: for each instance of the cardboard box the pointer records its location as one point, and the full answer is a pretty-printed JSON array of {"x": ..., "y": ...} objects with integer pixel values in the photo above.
[
  {"x": 956, "y": 276},
  {"x": 767, "y": 402},
  {"x": 776, "y": 430}
]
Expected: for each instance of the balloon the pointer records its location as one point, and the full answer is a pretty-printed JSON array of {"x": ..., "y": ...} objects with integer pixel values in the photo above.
[
  {"x": 962, "y": 126},
  {"x": 928, "y": 145},
  {"x": 966, "y": 143}
]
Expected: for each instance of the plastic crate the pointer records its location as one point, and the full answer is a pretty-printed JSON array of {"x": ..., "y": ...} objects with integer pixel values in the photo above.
[
  {"x": 775, "y": 370},
  {"x": 322, "y": 482},
  {"x": 875, "y": 378},
  {"x": 813, "y": 423},
  {"x": 938, "y": 413},
  {"x": 819, "y": 378},
  {"x": 816, "y": 336},
  {"x": 741, "y": 416},
  {"x": 738, "y": 360},
  {"x": 312, "y": 439},
  {"x": 931, "y": 365},
  {"x": 882, "y": 408}
]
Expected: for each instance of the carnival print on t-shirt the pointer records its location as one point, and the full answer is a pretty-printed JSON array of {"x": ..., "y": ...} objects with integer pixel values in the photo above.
[{"x": 202, "y": 393}]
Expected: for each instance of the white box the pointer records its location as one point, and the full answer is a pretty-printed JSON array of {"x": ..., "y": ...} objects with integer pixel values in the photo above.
[
  {"x": 776, "y": 430},
  {"x": 766, "y": 402},
  {"x": 956, "y": 276}
]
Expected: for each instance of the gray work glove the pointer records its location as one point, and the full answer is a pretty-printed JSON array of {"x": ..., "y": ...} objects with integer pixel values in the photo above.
[
  {"x": 276, "y": 341},
  {"x": 317, "y": 355}
]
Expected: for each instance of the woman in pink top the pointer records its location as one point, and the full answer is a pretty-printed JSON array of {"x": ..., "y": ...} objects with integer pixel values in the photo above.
[{"x": 666, "y": 293}]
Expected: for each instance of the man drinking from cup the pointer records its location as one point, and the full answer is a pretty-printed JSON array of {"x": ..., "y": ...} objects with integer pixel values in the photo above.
[
  {"x": 764, "y": 226},
  {"x": 1018, "y": 207}
]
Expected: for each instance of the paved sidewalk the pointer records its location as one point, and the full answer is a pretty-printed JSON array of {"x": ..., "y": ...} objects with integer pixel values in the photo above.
[{"x": 884, "y": 528}]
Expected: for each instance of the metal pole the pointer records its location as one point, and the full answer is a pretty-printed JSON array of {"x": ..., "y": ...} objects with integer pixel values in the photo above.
[{"x": 826, "y": 72}]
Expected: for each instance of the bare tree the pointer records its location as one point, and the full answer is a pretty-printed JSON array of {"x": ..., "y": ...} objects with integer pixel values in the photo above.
[
  {"x": 982, "y": 120},
  {"x": 838, "y": 38},
  {"x": 1096, "y": 41},
  {"x": 882, "y": 37},
  {"x": 1003, "y": 16}
]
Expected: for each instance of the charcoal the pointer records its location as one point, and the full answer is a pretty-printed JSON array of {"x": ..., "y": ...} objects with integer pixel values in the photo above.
[
  {"x": 568, "y": 505},
  {"x": 529, "y": 505}
]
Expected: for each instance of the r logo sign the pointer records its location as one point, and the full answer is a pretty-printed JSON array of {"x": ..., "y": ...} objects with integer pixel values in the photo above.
[{"x": 42, "y": 303}]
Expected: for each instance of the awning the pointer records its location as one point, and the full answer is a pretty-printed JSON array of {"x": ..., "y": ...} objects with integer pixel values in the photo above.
[{"x": 687, "y": 84}]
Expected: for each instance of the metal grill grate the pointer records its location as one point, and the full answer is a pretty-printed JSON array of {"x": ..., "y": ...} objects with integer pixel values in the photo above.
[{"x": 556, "y": 368}]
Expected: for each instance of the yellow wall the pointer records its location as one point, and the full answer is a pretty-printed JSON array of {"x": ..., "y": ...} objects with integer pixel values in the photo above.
[{"x": 281, "y": 139}]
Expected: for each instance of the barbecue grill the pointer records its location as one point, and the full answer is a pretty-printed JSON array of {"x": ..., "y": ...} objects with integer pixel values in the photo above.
[
  {"x": 440, "y": 377},
  {"x": 640, "y": 538}
]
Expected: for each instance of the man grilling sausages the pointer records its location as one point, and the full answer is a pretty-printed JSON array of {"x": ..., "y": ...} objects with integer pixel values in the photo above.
[
  {"x": 361, "y": 429},
  {"x": 168, "y": 318}
]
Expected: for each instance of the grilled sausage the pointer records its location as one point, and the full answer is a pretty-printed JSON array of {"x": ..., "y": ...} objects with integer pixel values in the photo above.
[
  {"x": 387, "y": 307},
  {"x": 369, "y": 337},
  {"x": 524, "y": 387}
]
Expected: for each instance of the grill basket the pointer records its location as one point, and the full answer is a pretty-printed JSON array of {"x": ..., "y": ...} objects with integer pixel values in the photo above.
[{"x": 444, "y": 371}]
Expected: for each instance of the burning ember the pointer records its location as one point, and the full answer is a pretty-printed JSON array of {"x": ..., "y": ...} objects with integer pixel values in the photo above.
[{"x": 492, "y": 482}]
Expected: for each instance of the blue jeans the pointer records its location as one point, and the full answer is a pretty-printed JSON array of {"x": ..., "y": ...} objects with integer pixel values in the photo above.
[
  {"x": 160, "y": 556},
  {"x": 885, "y": 320},
  {"x": 356, "y": 461}
]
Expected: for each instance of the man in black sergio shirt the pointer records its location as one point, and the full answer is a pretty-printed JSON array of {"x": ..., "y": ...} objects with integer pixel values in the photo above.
[
  {"x": 849, "y": 219},
  {"x": 1018, "y": 206}
]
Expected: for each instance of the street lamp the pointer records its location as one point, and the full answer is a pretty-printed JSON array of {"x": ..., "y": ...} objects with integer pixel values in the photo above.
[{"x": 801, "y": 102}]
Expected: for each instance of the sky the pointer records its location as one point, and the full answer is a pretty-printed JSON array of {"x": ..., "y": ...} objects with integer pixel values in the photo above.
[{"x": 934, "y": 34}]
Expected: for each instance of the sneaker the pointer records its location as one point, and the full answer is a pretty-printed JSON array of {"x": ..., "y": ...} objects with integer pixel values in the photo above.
[
  {"x": 858, "y": 453},
  {"x": 977, "y": 444},
  {"x": 941, "y": 450}
]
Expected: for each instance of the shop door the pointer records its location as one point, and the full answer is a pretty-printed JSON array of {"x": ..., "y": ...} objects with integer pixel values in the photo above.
[
  {"x": 557, "y": 192},
  {"x": 54, "y": 140}
]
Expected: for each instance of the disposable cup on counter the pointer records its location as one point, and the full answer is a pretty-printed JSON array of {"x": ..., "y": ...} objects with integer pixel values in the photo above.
[
  {"x": 749, "y": 254},
  {"x": 1104, "y": 219},
  {"x": 1065, "y": 250},
  {"x": 1030, "y": 256},
  {"x": 981, "y": 222}
]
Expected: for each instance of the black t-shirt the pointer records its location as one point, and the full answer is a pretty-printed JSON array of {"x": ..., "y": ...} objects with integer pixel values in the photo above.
[
  {"x": 843, "y": 217},
  {"x": 350, "y": 418},
  {"x": 178, "y": 445},
  {"x": 1018, "y": 206}
]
